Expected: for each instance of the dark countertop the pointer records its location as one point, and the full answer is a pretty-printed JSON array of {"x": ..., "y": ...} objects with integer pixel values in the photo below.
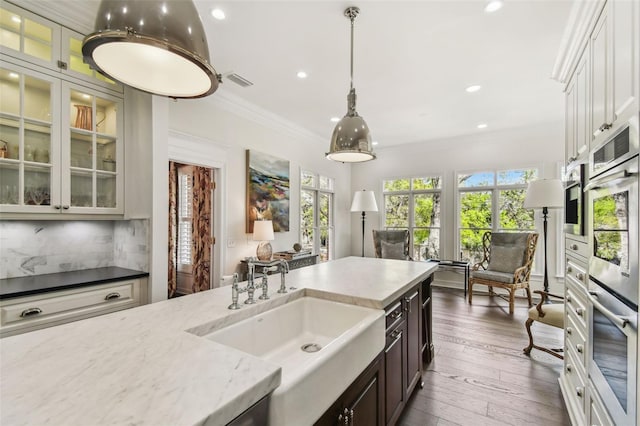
[{"x": 35, "y": 284}]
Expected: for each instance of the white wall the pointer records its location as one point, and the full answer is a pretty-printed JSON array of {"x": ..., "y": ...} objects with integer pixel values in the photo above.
[
  {"x": 225, "y": 121},
  {"x": 541, "y": 146}
]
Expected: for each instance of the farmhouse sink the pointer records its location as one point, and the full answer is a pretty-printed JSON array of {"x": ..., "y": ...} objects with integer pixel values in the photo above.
[{"x": 321, "y": 346}]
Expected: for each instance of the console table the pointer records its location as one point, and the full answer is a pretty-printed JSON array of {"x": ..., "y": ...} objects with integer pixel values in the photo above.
[
  {"x": 457, "y": 266},
  {"x": 295, "y": 263}
]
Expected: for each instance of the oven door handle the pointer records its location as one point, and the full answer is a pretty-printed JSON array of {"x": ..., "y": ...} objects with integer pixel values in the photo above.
[
  {"x": 609, "y": 180},
  {"x": 621, "y": 322}
]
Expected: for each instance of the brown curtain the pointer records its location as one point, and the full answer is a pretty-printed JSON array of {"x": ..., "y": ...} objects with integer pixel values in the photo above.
[
  {"x": 173, "y": 229},
  {"x": 201, "y": 229}
]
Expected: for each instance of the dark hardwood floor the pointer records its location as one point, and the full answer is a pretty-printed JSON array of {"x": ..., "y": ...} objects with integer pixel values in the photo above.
[{"x": 480, "y": 375}]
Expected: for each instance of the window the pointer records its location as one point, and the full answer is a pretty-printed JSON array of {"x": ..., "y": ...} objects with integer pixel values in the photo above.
[
  {"x": 316, "y": 214},
  {"x": 414, "y": 204},
  {"x": 185, "y": 209},
  {"x": 491, "y": 201}
]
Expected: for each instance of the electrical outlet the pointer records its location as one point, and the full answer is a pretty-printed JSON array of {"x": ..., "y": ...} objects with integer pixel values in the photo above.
[{"x": 231, "y": 243}]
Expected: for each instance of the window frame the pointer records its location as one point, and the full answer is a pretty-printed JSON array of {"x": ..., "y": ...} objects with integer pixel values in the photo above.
[
  {"x": 411, "y": 220},
  {"x": 320, "y": 186},
  {"x": 184, "y": 172},
  {"x": 495, "y": 189}
]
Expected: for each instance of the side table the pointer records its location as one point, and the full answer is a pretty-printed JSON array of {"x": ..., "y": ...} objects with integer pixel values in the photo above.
[{"x": 457, "y": 266}]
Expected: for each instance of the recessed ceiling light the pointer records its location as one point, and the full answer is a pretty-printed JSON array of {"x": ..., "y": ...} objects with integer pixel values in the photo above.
[
  {"x": 335, "y": 119},
  {"x": 482, "y": 126},
  {"x": 302, "y": 74},
  {"x": 473, "y": 88},
  {"x": 493, "y": 5},
  {"x": 218, "y": 14}
]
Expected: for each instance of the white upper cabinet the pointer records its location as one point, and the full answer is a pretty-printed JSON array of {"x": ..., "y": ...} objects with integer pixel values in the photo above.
[{"x": 614, "y": 69}]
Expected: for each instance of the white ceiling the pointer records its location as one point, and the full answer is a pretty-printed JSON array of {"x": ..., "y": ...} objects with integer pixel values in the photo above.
[{"x": 413, "y": 61}]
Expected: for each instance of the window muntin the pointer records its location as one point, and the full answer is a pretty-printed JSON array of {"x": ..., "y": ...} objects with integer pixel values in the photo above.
[{"x": 414, "y": 204}]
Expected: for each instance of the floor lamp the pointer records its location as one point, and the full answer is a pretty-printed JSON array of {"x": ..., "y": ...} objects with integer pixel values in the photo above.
[
  {"x": 364, "y": 201},
  {"x": 545, "y": 194}
]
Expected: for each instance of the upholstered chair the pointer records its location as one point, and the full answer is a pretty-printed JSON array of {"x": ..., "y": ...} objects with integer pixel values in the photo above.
[
  {"x": 506, "y": 263},
  {"x": 546, "y": 313},
  {"x": 391, "y": 244}
]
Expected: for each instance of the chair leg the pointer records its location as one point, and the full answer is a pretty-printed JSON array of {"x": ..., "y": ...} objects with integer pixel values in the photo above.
[
  {"x": 470, "y": 290},
  {"x": 527, "y": 325},
  {"x": 512, "y": 301},
  {"x": 529, "y": 296}
]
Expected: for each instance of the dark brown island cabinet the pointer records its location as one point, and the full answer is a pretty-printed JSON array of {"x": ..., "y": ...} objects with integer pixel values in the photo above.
[{"x": 380, "y": 393}]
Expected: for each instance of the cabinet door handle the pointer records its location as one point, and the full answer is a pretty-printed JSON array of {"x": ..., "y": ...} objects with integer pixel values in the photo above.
[
  {"x": 65, "y": 207},
  {"x": 605, "y": 126},
  {"x": 58, "y": 207},
  {"x": 344, "y": 417},
  {"x": 579, "y": 391},
  {"x": 351, "y": 416},
  {"x": 580, "y": 312},
  {"x": 580, "y": 348},
  {"x": 110, "y": 296},
  {"x": 569, "y": 368},
  {"x": 568, "y": 298},
  {"x": 31, "y": 312},
  {"x": 569, "y": 331}
]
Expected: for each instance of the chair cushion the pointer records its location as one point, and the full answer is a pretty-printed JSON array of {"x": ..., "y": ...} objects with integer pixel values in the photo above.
[
  {"x": 392, "y": 250},
  {"x": 502, "y": 277},
  {"x": 553, "y": 314},
  {"x": 506, "y": 259}
]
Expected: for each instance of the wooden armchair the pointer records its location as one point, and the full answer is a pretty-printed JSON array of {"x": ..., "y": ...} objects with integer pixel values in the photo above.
[
  {"x": 391, "y": 244},
  {"x": 550, "y": 314},
  {"x": 507, "y": 261}
]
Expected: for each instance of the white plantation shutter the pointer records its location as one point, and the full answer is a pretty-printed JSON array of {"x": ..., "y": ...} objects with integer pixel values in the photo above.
[{"x": 185, "y": 210}]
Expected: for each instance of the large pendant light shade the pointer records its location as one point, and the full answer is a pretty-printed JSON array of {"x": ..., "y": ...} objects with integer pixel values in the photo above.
[
  {"x": 351, "y": 139},
  {"x": 159, "y": 47}
]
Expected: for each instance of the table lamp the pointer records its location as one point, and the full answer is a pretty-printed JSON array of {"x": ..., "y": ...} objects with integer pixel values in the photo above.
[
  {"x": 364, "y": 201},
  {"x": 545, "y": 194},
  {"x": 263, "y": 232}
]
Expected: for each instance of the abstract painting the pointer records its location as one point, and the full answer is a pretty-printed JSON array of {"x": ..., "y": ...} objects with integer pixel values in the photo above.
[{"x": 267, "y": 190}]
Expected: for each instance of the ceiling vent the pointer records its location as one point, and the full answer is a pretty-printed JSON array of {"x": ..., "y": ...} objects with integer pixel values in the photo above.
[{"x": 239, "y": 80}]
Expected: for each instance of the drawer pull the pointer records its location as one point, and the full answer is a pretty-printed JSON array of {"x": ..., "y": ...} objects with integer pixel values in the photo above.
[
  {"x": 580, "y": 348},
  {"x": 580, "y": 277},
  {"x": 112, "y": 296},
  {"x": 396, "y": 334},
  {"x": 580, "y": 312},
  {"x": 569, "y": 368},
  {"x": 569, "y": 269},
  {"x": 569, "y": 298},
  {"x": 407, "y": 301},
  {"x": 30, "y": 312},
  {"x": 569, "y": 331},
  {"x": 395, "y": 315},
  {"x": 574, "y": 247},
  {"x": 580, "y": 391}
]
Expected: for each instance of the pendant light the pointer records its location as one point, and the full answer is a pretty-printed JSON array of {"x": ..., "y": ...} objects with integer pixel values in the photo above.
[
  {"x": 351, "y": 139},
  {"x": 156, "y": 46}
]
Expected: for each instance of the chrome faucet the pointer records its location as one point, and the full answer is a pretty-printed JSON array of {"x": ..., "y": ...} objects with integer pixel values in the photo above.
[
  {"x": 265, "y": 281},
  {"x": 284, "y": 269},
  {"x": 235, "y": 292},
  {"x": 251, "y": 287}
]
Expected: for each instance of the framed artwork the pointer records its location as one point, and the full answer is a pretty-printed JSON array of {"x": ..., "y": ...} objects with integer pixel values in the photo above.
[{"x": 267, "y": 190}]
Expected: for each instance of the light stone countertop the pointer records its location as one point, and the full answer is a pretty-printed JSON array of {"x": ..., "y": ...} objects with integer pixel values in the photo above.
[{"x": 149, "y": 365}]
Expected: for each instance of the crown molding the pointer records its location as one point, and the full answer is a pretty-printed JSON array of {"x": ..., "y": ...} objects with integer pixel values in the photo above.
[
  {"x": 582, "y": 19},
  {"x": 230, "y": 102}
]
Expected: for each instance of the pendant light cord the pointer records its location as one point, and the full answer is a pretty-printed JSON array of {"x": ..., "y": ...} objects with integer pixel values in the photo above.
[{"x": 353, "y": 18}]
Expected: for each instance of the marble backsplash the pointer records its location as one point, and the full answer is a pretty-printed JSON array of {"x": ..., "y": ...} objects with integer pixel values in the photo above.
[{"x": 45, "y": 247}]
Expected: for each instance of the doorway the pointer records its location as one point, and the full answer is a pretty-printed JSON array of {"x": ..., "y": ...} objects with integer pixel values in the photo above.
[{"x": 190, "y": 228}]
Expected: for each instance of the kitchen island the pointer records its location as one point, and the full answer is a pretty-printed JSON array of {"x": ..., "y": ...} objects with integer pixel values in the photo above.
[{"x": 150, "y": 366}]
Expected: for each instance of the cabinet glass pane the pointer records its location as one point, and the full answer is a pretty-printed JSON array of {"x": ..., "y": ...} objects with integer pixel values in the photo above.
[
  {"x": 81, "y": 110},
  {"x": 81, "y": 189},
  {"x": 37, "y": 184},
  {"x": 37, "y": 40},
  {"x": 106, "y": 117},
  {"x": 106, "y": 159},
  {"x": 10, "y": 29},
  {"x": 37, "y": 143},
  {"x": 9, "y": 139},
  {"x": 37, "y": 99},
  {"x": 106, "y": 191},
  {"x": 81, "y": 150},
  {"x": 77, "y": 64},
  {"x": 10, "y": 88},
  {"x": 37, "y": 49},
  {"x": 9, "y": 191}
]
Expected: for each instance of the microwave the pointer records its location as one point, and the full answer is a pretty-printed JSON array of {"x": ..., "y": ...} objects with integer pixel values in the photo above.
[{"x": 574, "y": 220}]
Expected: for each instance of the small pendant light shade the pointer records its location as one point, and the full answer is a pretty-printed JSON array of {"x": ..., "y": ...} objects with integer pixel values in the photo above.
[
  {"x": 351, "y": 139},
  {"x": 159, "y": 47}
]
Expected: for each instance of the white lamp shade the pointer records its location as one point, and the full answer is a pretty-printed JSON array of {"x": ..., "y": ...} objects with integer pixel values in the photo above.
[
  {"x": 364, "y": 201},
  {"x": 544, "y": 193},
  {"x": 263, "y": 230}
]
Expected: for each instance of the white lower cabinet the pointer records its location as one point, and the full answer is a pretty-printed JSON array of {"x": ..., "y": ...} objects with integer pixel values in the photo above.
[
  {"x": 598, "y": 415},
  {"x": 22, "y": 314}
]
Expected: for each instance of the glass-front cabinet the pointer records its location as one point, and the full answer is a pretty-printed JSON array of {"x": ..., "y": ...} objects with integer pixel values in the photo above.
[{"x": 61, "y": 145}]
